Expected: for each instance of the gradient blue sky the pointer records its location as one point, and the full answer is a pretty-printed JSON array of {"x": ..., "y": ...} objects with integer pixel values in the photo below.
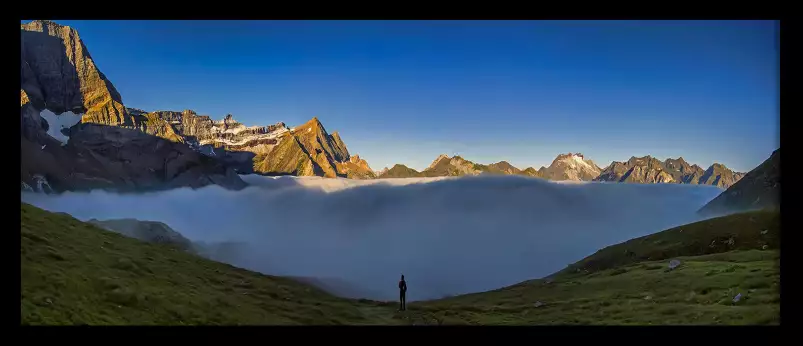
[{"x": 406, "y": 91}]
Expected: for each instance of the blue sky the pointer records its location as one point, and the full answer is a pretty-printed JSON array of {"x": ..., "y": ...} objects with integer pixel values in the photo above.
[{"x": 407, "y": 91}]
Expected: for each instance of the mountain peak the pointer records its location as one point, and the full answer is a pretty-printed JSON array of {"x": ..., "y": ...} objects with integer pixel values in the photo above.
[
  {"x": 570, "y": 166},
  {"x": 440, "y": 158},
  {"x": 569, "y": 155}
]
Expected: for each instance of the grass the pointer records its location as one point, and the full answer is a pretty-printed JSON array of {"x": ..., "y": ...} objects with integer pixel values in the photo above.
[
  {"x": 636, "y": 295},
  {"x": 734, "y": 232},
  {"x": 75, "y": 273}
]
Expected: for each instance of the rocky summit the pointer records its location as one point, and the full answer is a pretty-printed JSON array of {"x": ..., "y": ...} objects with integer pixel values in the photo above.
[{"x": 570, "y": 166}]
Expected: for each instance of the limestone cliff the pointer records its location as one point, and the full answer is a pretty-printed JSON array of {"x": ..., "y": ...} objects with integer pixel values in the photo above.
[
  {"x": 104, "y": 147},
  {"x": 58, "y": 74}
]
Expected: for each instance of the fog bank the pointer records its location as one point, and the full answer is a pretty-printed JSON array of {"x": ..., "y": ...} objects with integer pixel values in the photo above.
[{"x": 447, "y": 236}]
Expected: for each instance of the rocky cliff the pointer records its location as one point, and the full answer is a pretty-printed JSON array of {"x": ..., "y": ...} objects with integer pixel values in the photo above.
[
  {"x": 76, "y": 134},
  {"x": 58, "y": 74},
  {"x": 758, "y": 189},
  {"x": 306, "y": 150}
]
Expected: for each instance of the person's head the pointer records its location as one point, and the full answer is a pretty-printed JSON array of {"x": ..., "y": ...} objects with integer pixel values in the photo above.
[{"x": 402, "y": 276}]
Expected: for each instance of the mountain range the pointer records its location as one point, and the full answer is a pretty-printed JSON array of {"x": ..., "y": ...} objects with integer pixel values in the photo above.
[
  {"x": 77, "y": 134},
  {"x": 575, "y": 167}
]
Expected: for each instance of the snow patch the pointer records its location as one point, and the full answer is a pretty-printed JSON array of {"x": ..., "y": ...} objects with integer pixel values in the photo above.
[
  {"x": 26, "y": 187},
  {"x": 58, "y": 122},
  {"x": 245, "y": 139},
  {"x": 41, "y": 184}
]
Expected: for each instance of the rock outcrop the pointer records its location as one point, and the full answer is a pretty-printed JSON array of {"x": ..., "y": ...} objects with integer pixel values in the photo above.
[
  {"x": 356, "y": 168},
  {"x": 758, "y": 189}
]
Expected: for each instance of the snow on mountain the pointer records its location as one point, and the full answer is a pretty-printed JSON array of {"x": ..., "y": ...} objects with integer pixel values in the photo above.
[
  {"x": 571, "y": 166},
  {"x": 56, "y": 123}
]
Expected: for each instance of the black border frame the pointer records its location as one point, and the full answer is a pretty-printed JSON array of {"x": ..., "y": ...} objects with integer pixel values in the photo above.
[{"x": 787, "y": 73}]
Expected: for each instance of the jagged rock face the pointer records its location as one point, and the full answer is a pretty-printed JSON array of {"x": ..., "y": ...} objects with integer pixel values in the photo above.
[
  {"x": 719, "y": 175},
  {"x": 58, "y": 74},
  {"x": 758, "y": 189},
  {"x": 570, "y": 167},
  {"x": 110, "y": 148},
  {"x": 356, "y": 168},
  {"x": 270, "y": 150},
  {"x": 649, "y": 170},
  {"x": 683, "y": 172},
  {"x": 307, "y": 150},
  {"x": 444, "y": 166}
]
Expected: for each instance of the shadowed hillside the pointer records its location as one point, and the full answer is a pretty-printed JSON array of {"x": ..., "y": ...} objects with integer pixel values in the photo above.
[
  {"x": 759, "y": 189},
  {"x": 75, "y": 273}
]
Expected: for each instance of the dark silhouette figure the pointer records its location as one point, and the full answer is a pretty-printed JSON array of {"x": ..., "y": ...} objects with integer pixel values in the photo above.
[{"x": 402, "y": 294}]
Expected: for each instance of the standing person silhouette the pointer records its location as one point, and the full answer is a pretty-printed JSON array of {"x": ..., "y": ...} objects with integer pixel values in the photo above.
[{"x": 402, "y": 294}]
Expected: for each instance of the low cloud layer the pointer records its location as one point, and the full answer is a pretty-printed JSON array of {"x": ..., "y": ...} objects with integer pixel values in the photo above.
[{"x": 447, "y": 236}]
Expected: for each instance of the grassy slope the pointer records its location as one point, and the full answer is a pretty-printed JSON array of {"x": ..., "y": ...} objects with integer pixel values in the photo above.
[
  {"x": 611, "y": 286},
  {"x": 700, "y": 291},
  {"x": 75, "y": 273}
]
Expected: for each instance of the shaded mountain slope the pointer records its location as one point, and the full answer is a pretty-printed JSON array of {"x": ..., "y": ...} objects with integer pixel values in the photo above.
[
  {"x": 759, "y": 188},
  {"x": 744, "y": 231}
]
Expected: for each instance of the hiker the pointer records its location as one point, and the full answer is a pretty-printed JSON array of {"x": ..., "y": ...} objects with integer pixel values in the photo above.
[{"x": 402, "y": 294}]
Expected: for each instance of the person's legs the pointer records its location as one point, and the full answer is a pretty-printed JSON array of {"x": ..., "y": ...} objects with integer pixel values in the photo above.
[
  {"x": 401, "y": 300},
  {"x": 404, "y": 301}
]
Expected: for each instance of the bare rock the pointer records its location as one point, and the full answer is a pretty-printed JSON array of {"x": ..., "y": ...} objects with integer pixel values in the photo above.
[{"x": 58, "y": 74}]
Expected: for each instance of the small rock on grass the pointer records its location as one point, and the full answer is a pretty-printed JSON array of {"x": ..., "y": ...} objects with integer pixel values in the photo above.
[
  {"x": 737, "y": 298},
  {"x": 538, "y": 304}
]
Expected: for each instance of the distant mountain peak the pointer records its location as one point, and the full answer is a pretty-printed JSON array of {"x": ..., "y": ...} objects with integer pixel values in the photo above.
[
  {"x": 570, "y": 166},
  {"x": 438, "y": 159}
]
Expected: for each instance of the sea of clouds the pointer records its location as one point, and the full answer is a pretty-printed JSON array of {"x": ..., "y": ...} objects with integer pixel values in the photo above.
[{"x": 447, "y": 236}]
